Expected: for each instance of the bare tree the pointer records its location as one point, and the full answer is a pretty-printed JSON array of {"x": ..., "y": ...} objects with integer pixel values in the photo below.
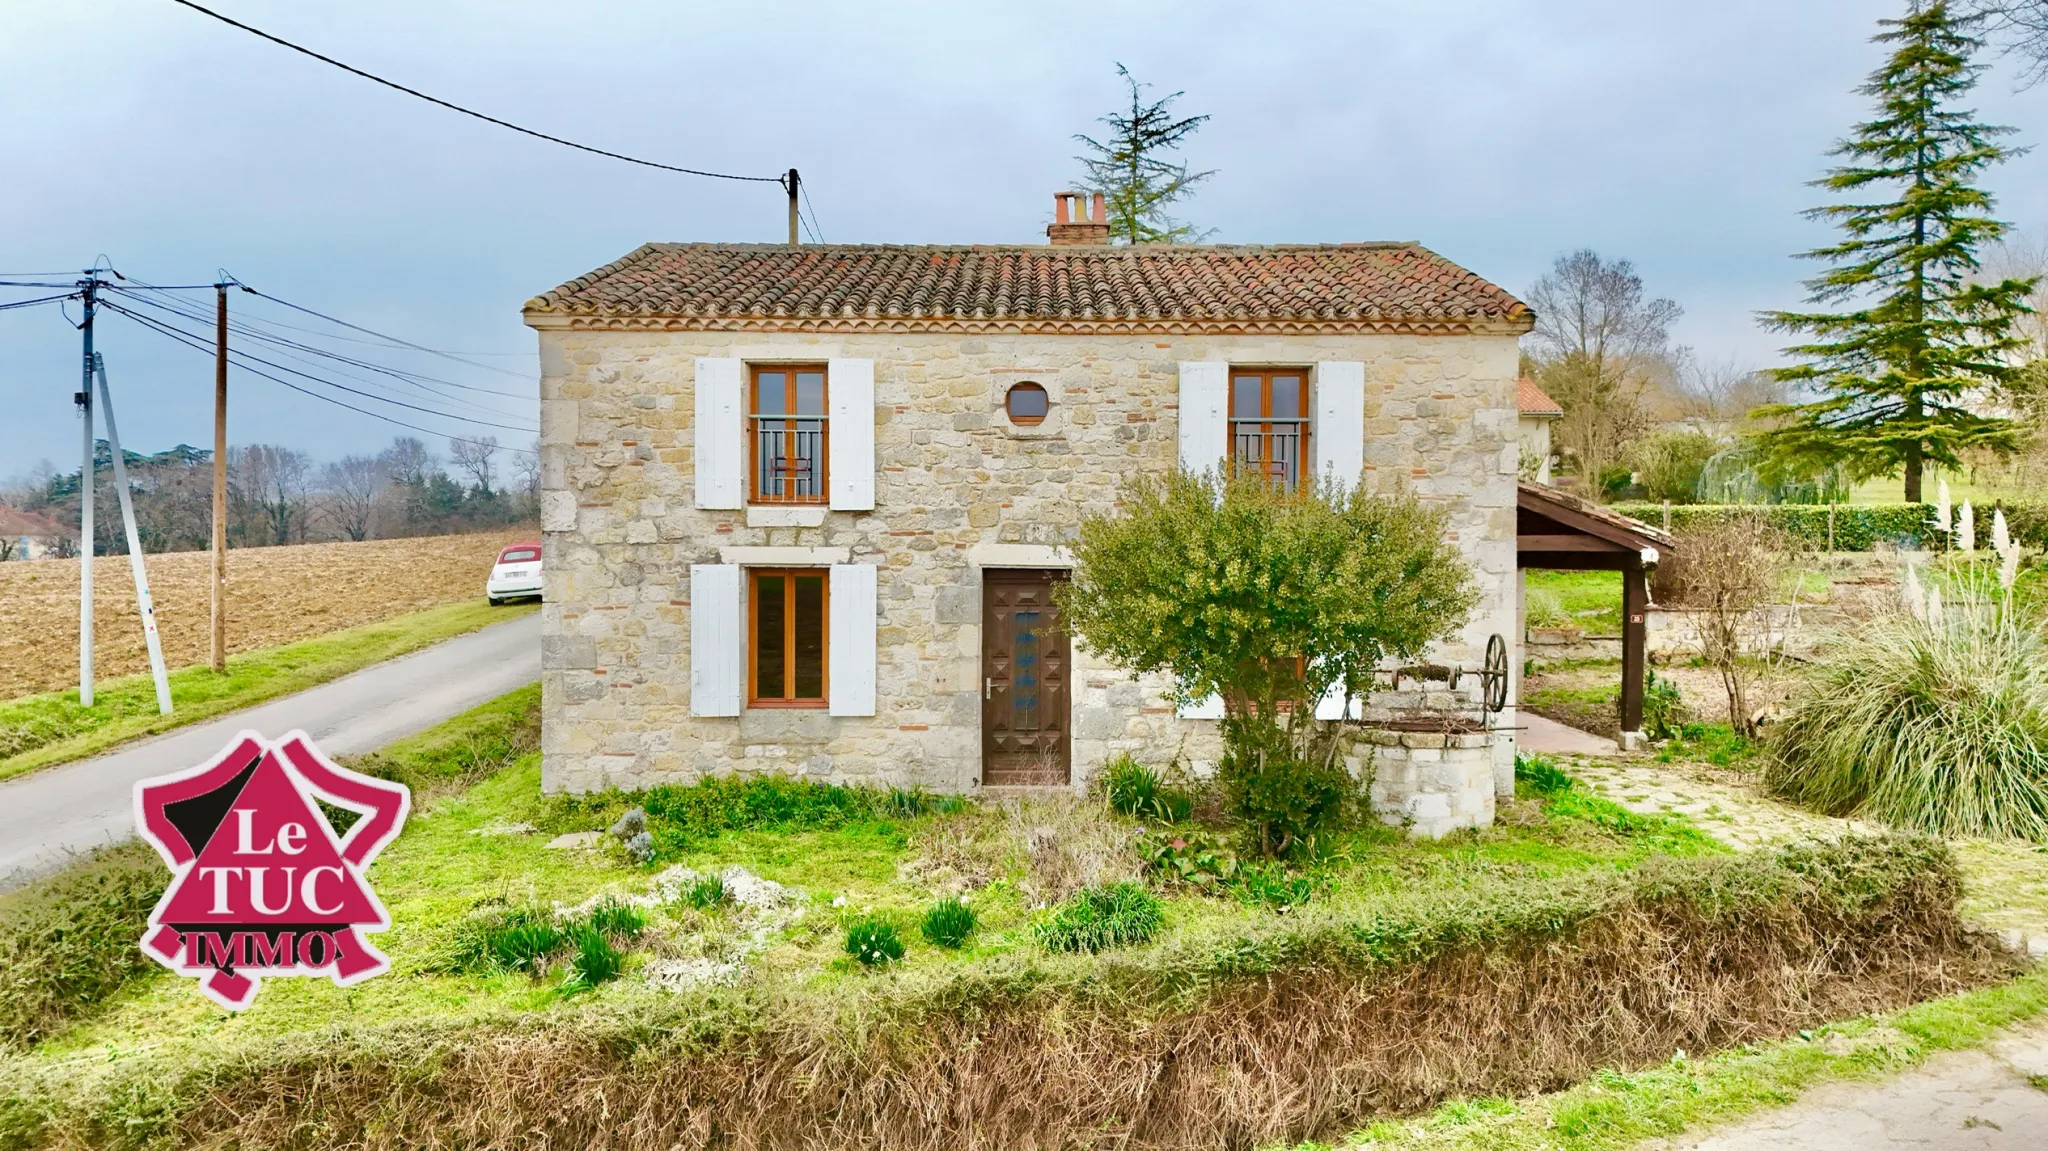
[
  {"x": 1598, "y": 340},
  {"x": 526, "y": 466},
  {"x": 349, "y": 488},
  {"x": 1722, "y": 392},
  {"x": 271, "y": 481},
  {"x": 1729, "y": 574},
  {"x": 2022, "y": 27},
  {"x": 474, "y": 457},
  {"x": 407, "y": 461}
]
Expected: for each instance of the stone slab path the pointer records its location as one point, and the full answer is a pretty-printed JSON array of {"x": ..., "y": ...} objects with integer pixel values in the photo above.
[
  {"x": 1990, "y": 1100},
  {"x": 1541, "y": 735}
]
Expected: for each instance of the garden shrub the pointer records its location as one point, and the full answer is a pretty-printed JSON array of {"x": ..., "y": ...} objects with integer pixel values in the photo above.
[
  {"x": 594, "y": 959},
  {"x": 1539, "y": 775},
  {"x": 67, "y": 942},
  {"x": 706, "y": 892},
  {"x": 1938, "y": 724},
  {"x": 1858, "y": 527},
  {"x": 1188, "y": 857},
  {"x": 531, "y": 939},
  {"x": 947, "y": 923},
  {"x": 1662, "y": 705},
  {"x": 1142, "y": 792},
  {"x": 1268, "y": 599},
  {"x": 1269, "y": 885},
  {"x": 873, "y": 941},
  {"x": 1099, "y": 918}
]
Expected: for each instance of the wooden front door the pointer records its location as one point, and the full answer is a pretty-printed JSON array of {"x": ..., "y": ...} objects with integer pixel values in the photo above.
[{"x": 1026, "y": 668}]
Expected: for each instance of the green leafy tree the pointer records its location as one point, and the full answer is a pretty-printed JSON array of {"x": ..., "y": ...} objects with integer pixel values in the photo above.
[
  {"x": 1269, "y": 599},
  {"x": 1134, "y": 171},
  {"x": 1918, "y": 337}
]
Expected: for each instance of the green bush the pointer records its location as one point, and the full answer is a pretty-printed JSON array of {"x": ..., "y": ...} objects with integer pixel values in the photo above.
[
  {"x": 947, "y": 923},
  {"x": 67, "y": 942},
  {"x": 706, "y": 892},
  {"x": 1099, "y": 918},
  {"x": 1539, "y": 775},
  {"x": 1189, "y": 856},
  {"x": 507, "y": 939},
  {"x": 1668, "y": 464},
  {"x": 1662, "y": 706},
  {"x": 1938, "y": 724},
  {"x": 1286, "y": 800},
  {"x": 594, "y": 961},
  {"x": 1858, "y": 527},
  {"x": 618, "y": 918},
  {"x": 873, "y": 941},
  {"x": 1269, "y": 885},
  {"x": 1142, "y": 792}
]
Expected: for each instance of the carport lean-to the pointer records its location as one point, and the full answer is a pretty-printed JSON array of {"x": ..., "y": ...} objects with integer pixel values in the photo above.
[{"x": 1562, "y": 532}]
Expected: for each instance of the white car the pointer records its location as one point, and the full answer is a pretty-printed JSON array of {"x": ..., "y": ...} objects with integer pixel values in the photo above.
[{"x": 517, "y": 573}]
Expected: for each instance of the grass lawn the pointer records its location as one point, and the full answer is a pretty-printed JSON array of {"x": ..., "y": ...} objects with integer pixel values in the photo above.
[
  {"x": 139, "y": 1055},
  {"x": 39, "y": 730},
  {"x": 1587, "y": 599}
]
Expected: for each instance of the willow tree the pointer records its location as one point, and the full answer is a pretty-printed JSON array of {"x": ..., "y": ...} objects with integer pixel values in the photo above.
[{"x": 1916, "y": 338}]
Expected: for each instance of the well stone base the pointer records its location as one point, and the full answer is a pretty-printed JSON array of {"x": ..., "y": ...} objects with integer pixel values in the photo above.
[{"x": 1434, "y": 782}]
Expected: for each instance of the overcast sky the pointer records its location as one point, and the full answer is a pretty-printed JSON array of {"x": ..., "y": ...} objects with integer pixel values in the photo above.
[{"x": 1678, "y": 135}]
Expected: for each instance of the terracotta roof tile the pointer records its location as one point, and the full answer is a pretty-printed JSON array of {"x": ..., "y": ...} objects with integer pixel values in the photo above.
[
  {"x": 16, "y": 522},
  {"x": 1534, "y": 401},
  {"x": 1167, "y": 286}
]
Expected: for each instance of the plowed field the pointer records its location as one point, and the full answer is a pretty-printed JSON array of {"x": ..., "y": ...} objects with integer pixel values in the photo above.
[{"x": 274, "y": 596}]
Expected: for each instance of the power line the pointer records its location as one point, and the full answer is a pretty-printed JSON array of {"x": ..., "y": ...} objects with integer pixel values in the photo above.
[
  {"x": 37, "y": 300},
  {"x": 182, "y": 337},
  {"x": 471, "y": 112},
  {"x": 192, "y": 339},
  {"x": 382, "y": 336},
  {"x": 817, "y": 232},
  {"x": 244, "y": 326}
]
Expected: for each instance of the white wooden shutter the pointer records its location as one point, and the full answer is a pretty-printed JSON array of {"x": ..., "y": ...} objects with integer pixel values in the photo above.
[
  {"x": 850, "y": 404},
  {"x": 1210, "y": 708},
  {"x": 852, "y": 622},
  {"x": 1339, "y": 428},
  {"x": 720, "y": 435},
  {"x": 1204, "y": 430},
  {"x": 715, "y": 642}
]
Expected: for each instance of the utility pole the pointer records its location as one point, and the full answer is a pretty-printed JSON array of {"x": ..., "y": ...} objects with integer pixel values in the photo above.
[
  {"x": 89, "y": 288},
  {"x": 791, "y": 182},
  {"x": 145, "y": 605},
  {"x": 220, "y": 478}
]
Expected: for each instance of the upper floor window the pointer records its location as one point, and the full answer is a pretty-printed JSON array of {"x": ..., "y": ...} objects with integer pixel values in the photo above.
[
  {"x": 787, "y": 434},
  {"x": 1269, "y": 423}
]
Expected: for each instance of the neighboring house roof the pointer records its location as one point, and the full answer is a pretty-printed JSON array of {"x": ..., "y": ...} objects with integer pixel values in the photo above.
[
  {"x": 15, "y": 522},
  {"x": 1534, "y": 401},
  {"x": 1388, "y": 287}
]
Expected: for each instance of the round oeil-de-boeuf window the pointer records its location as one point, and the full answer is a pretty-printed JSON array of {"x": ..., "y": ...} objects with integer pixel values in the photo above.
[{"x": 1027, "y": 404}]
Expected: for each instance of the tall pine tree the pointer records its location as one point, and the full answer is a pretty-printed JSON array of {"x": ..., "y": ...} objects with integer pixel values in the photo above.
[
  {"x": 1132, "y": 171},
  {"x": 1917, "y": 341}
]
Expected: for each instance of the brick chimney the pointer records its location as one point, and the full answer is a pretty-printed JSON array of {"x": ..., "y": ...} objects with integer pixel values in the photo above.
[{"x": 1078, "y": 221}]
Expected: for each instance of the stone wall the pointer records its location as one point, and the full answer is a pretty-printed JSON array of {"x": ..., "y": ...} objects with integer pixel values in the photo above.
[{"x": 958, "y": 489}]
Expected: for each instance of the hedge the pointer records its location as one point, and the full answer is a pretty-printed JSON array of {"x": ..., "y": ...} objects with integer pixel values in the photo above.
[{"x": 1857, "y": 526}]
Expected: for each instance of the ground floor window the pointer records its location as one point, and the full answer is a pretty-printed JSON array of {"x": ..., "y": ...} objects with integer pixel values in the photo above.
[{"x": 786, "y": 639}]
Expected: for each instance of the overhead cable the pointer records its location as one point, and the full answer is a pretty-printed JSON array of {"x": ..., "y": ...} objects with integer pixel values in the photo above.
[{"x": 280, "y": 41}]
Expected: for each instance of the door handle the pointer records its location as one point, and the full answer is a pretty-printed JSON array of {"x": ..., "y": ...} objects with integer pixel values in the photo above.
[{"x": 988, "y": 685}]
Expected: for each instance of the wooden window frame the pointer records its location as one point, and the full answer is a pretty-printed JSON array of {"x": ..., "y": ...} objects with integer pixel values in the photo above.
[
  {"x": 753, "y": 424},
  {"x": 1026, "y": 421},
  {"x": 1265, "y": 423},
  {"x": 789, "y": 575}
]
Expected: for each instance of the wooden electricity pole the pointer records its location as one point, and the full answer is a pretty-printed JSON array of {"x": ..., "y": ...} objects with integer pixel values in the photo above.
[
  {"x": 220, "y": 478},
  {"x": 791, "y": 182}
]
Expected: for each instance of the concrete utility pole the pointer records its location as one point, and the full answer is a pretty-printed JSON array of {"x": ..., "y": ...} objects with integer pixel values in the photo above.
[
  {"x": 220, "y": 479},
  {"x": 145, "y": 604},
  {"x": 791, "y": 182},
  {"x": 89, "y": 288}
]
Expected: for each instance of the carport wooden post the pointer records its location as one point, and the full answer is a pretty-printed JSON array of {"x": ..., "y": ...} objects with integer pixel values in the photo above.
[{"x": 1635, "y": 606}]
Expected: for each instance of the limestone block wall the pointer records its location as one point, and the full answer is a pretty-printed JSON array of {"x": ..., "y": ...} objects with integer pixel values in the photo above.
[
  {"x": 958, "y": 490},
  {"x": 1434, "y": 782}
]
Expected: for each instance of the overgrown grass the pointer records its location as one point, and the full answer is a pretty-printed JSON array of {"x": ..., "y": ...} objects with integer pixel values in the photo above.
[
  {"x": 1614, "y": 1110},
  {"x": 1587, "y": 599},
  {"x": 1099, "y": 918},
  {"x": 70, "y": 941},
  {"x": 1937, "y": 724},
  {"x": 684, "y": 817},
  {"x": 947, "y": 923},
  {"x": 40, "y": 730}
]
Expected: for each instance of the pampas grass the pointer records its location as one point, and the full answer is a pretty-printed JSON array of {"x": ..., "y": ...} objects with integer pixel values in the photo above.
[{"x": 1934, "y": 719}]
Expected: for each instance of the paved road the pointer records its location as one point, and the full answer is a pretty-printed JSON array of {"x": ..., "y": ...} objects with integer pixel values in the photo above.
[
  {"x": 47, "y": 815},
  {"x": 1962, "y": 1099}
]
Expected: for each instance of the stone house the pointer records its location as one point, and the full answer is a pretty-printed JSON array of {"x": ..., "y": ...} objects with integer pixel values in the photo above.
[
  {"x": 1538, "y": 411},
  {"x": 804, "y": 506}
]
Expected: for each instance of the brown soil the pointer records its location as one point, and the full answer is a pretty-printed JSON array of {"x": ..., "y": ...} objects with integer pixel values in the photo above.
[{"x": 274, "y": 595}]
